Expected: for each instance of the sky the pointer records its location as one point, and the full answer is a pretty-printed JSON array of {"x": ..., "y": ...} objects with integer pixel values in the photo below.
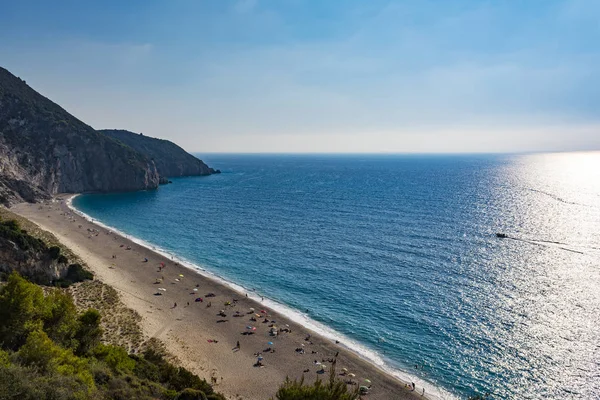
[{"x": 319, "y": 76}]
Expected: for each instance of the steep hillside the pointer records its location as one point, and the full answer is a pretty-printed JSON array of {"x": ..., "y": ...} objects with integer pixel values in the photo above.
[
  {"x": 170, "y": 159},
  {"x": 45, "y": 150}
]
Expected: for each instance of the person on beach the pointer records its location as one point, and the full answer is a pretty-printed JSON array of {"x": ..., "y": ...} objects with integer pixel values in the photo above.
[
  {"x": 423, "y": 392},
  {"x": 175, "y": 305},
  {"x": 413, "y": 385},
  {"x": 238, "y": 344}
]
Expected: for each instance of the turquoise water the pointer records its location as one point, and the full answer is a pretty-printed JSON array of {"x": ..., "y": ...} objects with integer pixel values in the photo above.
[{"x": 399, "y": 254}]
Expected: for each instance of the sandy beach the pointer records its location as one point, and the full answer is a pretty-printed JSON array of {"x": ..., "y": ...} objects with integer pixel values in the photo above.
[{"x": 204, "y": 341}]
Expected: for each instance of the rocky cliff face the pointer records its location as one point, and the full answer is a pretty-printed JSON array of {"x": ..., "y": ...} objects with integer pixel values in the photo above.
[
  {"x": 30, "y": 256},
  {"x": 44, "y": 150},
  {"x": 170, "y": 159},
  {"x": 34, "y": 264}
]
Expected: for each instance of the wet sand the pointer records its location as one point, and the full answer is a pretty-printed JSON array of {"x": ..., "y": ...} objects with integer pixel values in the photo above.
[{"x": 203, "y": 341}]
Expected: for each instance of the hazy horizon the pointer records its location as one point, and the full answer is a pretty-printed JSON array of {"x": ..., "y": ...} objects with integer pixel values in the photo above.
[{"x": 383, "y": 77}]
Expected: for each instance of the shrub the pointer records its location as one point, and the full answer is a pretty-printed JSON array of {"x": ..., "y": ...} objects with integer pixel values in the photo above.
[
  {"x": 191, "y": 394},
  {"x": 54, "y": 252},
  {"x": 11, "y": 230},
  {"x": 76, "y": 273},
  {"x": 4, "y": 358},
  {"x": 144, "y": 369},
  {"x": 333, "y": 390},
  {"x": 115, "y": 357}
]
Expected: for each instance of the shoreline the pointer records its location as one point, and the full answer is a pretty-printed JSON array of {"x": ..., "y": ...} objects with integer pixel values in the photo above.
[{"x": 387, "y": 382}]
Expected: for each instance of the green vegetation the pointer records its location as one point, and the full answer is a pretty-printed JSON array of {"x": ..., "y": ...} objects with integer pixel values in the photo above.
[
  {"x": 50, "y": 351},
  {"x": 334, "y": 389},
  {"x": 11, "y": 230}
]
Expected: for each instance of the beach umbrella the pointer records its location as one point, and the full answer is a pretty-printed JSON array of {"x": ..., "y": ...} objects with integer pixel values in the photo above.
[
  {"x": 162, "y": 288},
  {"x": 351, "y": 375},
  {"x": 344, "y": 369},
  {"x": 270, "y": 343},
  {"x": 181, "y": 275},
  {"x": 260, "y": 358},
  {"x": 251, "y": 309},
  {"x": 195, "y": 289},
  {"x": 253, "y": 328},
  {"x": 176, "y": 280},
  {"x": 368, "y": 380},
  {"x": 248, "y": 327},
  {"x": 263, "y": 311}
]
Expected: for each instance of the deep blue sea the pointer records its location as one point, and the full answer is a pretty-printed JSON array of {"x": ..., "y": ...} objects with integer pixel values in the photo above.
[{"x": 398, "y": 254}]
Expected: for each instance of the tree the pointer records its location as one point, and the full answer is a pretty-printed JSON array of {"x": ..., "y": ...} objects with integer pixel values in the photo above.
[
  {"x": 60, "y": 319},
  {"x": 22, "y": 306},
  {"x": 89, "y": 332},
  {"x": 41, "y": 353}
]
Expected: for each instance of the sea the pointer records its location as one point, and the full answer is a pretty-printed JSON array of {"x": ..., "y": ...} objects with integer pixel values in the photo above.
[{"x": 397, "y": 256}]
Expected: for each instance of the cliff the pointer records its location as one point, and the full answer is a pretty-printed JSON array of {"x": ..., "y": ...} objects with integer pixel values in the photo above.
[
  {"x": 170, "y": 159},
  {"x": 36, "y": 254},
  {"x": 45, "y": 150}
]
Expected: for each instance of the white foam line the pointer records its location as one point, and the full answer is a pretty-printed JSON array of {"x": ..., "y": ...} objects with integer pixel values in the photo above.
[{"x": 433, "y": 392}]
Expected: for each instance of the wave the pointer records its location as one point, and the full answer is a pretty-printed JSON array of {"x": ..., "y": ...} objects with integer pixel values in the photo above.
[{"x": 373, "y": 357}]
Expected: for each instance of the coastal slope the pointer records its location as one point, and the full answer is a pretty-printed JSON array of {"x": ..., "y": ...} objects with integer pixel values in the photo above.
[
  {"x": 45, "y": 150},
  {"x": 170, "y": 159}
]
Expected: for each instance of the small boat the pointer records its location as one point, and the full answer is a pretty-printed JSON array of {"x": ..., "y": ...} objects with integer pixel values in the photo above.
[{"x": 501, "y": 235}]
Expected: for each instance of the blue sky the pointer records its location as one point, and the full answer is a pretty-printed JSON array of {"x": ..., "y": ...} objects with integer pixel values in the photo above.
[{"x": 319, "y": 76}]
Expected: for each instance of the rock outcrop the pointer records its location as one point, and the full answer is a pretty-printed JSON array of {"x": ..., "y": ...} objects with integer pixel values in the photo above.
[
  {"x": 45, "y": 150},
  {"x": 170, "y": 159},
  {"x": 21, "y": 252}
]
